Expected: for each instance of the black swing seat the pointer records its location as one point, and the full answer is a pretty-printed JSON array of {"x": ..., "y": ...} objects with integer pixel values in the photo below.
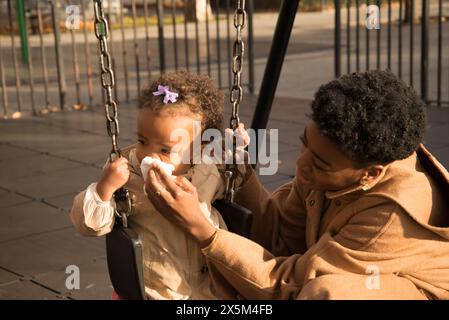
[
  {"x": 238, "y": 219},
  {"x": 125, "y": 265},
  {"x": 124, "y": 250}
]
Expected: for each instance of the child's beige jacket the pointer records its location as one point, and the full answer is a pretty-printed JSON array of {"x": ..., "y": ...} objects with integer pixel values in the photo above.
[{"x": 174, "y": 267}]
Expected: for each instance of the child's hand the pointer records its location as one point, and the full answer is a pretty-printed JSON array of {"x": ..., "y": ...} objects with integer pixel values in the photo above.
[
  {"x": 243, "y": 141},
  {"x": 114, "y": 176},
  {"x": 242, "y": 133}
]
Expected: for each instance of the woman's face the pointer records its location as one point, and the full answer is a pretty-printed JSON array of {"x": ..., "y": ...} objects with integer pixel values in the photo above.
[
  {"x": 322, "y": 166},
  {"x": 165, "y": 136}
]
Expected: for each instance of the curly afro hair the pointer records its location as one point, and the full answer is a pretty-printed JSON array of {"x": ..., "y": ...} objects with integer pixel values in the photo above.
[
  {"x": 373, "y": 117},
  {"x": 197, "y": 92}
]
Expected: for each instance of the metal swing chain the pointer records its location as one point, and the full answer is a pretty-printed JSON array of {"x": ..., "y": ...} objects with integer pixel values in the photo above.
[
  {"x": 238, "y": 51},
  {"x": 236, "y": 94},
  {"x": 101, "y": 28}
]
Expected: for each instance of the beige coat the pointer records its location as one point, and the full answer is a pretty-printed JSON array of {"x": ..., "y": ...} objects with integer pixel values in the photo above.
[
  {"x": 174, "y": 267},
  {"x": 311, "y": 243}
]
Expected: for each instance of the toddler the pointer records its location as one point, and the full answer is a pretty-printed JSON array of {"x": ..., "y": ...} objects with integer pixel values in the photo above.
[{"x": 174, "y": 267}]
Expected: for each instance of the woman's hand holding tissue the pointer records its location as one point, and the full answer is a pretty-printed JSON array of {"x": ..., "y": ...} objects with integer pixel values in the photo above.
[{"x": 177, "y": 200}]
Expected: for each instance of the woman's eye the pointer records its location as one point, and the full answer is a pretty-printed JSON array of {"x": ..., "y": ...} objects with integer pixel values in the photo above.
[
  {"x": 317, "y": 167},
  {"x": 303, "y": 141}
]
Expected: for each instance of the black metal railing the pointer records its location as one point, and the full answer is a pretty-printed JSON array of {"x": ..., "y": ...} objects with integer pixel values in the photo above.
[
  {"x": 147, "y": 38},
  {"x": 409, "y": 41}
]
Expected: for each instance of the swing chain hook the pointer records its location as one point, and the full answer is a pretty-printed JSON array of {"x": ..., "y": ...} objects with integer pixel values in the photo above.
[
  {"x": 236, "y": 94},
  {"x": 101, "y": 28}
]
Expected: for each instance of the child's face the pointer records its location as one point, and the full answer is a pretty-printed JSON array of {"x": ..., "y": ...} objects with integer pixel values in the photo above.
[{"x": 157, "y": 137}]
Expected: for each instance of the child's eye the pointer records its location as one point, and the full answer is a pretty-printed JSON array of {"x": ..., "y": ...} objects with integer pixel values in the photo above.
[{"x": 165, "y": 151}]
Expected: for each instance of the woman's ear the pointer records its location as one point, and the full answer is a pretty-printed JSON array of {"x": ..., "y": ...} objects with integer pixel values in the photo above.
[{"x": 370, "y": 174}]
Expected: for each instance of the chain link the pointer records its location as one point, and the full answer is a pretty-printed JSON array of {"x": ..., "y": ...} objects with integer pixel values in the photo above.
[
  {"x": 238, "y": 51},
  {"x": 107, "y": 76},
  {"x": 236, "y": 93},
  {"x": 110, "y": 106}
]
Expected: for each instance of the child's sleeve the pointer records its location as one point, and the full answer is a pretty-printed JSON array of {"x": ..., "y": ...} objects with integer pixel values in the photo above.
[{"x": 90, "y": 215}]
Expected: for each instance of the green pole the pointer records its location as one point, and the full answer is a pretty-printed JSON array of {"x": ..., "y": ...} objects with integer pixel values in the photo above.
[{"x": 22, "y": 30}]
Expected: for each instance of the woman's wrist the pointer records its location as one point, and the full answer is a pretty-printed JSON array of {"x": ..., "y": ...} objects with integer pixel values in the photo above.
[
  {"x": 203, "y": 234},
  {"x": 208, "y": 241}
]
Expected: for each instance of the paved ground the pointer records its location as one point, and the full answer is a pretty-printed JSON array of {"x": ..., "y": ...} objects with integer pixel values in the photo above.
[{"x": 45, "y": 161}]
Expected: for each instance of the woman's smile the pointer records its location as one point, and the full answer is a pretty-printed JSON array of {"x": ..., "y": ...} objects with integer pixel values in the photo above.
[{"x": 304, "y": 180}]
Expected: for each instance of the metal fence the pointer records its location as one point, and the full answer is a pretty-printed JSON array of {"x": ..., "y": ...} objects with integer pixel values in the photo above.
[
  {"x": 408, "y": 40},
  {"x": 49, "y": 55}
]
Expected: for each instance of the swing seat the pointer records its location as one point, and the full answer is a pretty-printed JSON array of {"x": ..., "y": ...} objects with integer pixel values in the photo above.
[
  {"x": 238, "y": 219},
  {"x": 125, "y": 265}
]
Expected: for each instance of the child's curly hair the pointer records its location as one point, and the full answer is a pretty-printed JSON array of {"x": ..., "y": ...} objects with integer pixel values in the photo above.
[{"x": 197, "y": 92}]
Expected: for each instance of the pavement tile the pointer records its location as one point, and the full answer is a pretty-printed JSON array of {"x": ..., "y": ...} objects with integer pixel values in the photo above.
[
  {"x": 437, "y": 115},
  {"x": 50, "y": 251},
  {"x": 62, "y": 202},
  {"x": 291, "y": 137},
  {"x": 94, "y": 281},
  {"x": 12, "y": 169},
  {"x": 30, "y": 218},
  {"x": 437, "y": 136},
  {"x": 54, "y": 184},
  {"x": 90, "y": 122},
  {"x": 46, "y": 138},
  {"x": 7, "y": 277},
  {"x": 26, "y": 290},
  {"x": 8, "y": 199},
  {"x": 442, "y": 155},
  {"x": 285, "y": 141},
  {"x": 290, "y": 109},
  {"x": 94, "y": 154},
  {"x": 14, "y": 152}
]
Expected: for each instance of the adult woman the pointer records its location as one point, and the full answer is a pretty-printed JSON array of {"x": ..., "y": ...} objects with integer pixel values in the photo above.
[{"x": 367, "y": 215}]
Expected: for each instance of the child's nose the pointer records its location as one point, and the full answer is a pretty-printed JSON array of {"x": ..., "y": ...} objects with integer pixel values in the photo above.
[{"x": 154, "y": 155}]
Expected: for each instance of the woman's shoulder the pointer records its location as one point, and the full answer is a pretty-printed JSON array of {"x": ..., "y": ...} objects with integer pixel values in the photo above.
[{"x": 409, "y": 184}]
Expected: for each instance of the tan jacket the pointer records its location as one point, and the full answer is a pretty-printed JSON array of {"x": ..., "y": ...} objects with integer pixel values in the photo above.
[
  {"x": 400, "y": 226},
  {"x": 174, "y": 267}
]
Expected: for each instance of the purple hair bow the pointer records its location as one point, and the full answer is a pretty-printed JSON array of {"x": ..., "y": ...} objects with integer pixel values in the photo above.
[{"x": 169, "y": 96}]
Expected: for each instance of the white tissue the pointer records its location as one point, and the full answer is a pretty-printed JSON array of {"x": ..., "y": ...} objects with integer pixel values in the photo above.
[{"x": 148, "y": 163}]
